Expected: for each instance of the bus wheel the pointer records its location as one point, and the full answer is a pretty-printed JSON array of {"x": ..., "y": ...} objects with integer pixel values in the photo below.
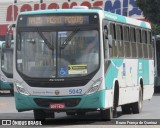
[
  {"x": 137, "y": 106},
  {"x": 39, "y": 115},
  {"x": 114, "y": 112},
  {"x": 115, "y": 99},
  {"x": 126, "y": 109},
  {"x": 107, "y": 114},
  {"x": 70, "y": 113}
]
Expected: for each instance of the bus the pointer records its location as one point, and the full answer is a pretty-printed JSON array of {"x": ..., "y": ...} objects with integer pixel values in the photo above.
[
  {"x": 54, "y": 73},
  {"x": 156, "y": 42},
  {"x": 6, "y": 67}
]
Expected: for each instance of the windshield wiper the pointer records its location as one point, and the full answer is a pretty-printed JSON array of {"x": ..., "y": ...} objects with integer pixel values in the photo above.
[
  {"x": 69, "y": 37},
  {"x": 50, "y": 46}
]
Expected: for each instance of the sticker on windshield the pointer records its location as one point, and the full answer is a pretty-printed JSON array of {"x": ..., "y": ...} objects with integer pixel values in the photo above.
[
  {"x": 19, "y": 61},
  {"x": 77, "y": 69},
  {"x": 62, "y": 71},
  {"x": 62, "y": 34}
]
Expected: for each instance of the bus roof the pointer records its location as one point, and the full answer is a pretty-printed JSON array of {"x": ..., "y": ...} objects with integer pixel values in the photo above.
[
  {"x": 107, "y": 15},
  {"x": 127, "y": 20},
  {"x": 60, "y": 11}
]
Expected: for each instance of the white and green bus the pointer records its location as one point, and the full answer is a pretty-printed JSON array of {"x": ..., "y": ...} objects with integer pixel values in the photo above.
[
  {"x": 6, "y": 67},
  {"x": 156, "y": 42},
  {"x": 56, "y": 69}
]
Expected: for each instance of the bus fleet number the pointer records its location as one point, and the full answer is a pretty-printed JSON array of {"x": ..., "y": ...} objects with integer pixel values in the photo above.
[{"x": 75, "y": 91}]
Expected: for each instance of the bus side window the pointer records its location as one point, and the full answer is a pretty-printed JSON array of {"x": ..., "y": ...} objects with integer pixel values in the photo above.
[
  {"x": 133, "y": 42},
  {"x": 18, "y": 41},
  {"x": 150, "y": 49},
  {"x": 106, "y": 45},
  {"x": 126, "y": 42},
  {"x": 113, "y": 34},
  {"x": 144, "y": 41},
  {"x": 119, "y": 33},
  {"x": 139, "y": 43}
]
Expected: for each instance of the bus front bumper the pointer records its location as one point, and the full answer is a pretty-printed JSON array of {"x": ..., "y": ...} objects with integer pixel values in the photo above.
[
  {"x": 6, "y": 85},
  {"x": 92, "y": 101}
]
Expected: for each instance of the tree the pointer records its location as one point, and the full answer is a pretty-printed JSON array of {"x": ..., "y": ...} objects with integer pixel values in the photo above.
[
  {"x": 155, "y": 29},
  {"x": 151, "y": 11}
]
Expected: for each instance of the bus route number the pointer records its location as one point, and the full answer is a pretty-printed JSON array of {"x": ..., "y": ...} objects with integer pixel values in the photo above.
[{"x": 75, "y": 91}]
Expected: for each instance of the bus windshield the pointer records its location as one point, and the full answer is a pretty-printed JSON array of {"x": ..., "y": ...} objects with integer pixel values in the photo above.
[
  {"x": 55, "y": 54},
  {"x": 7, "y": 61}
]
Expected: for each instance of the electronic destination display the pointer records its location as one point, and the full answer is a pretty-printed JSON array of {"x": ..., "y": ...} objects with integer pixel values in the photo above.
[{"x": 57, "y": 20}]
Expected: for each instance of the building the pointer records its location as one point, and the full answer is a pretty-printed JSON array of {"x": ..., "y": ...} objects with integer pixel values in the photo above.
[{"x": 9, "y": 9}]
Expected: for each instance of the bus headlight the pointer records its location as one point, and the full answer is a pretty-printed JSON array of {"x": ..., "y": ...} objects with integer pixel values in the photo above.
[
  {"x": 21, "y": 89},
  {"x": 95, "y": 86}
]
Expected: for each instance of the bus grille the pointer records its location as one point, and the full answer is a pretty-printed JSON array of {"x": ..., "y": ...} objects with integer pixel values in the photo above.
[{"x": 43, "y": 102}]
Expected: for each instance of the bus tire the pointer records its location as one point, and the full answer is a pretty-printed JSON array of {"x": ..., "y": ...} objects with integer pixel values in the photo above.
[
  {"x": 126, "y": 109},
  {"x": 115, "y": 100},
  {"x": 137, "y": 106},
  {"x": 107, "y": 114},
  {"x": 39, "y": 115},
  {"x": 70, "y": 113},
  {"x": 157, "y": 89}
]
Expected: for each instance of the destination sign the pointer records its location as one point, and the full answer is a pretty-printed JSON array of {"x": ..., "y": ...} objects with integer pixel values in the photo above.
[{"x": 57, "y": 20}]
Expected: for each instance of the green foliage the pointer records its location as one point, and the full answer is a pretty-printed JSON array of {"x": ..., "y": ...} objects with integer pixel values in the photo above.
[
  {"x": 155, "y": 29},
  {"x": 150, "y": 9}
]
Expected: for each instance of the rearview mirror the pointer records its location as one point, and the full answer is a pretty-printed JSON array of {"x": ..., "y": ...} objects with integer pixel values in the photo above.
[{"x": 8, "y": 38}]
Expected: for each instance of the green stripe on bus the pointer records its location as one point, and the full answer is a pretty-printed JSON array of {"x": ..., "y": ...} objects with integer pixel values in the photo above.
[
  {"x": 143, "y": 71},
  {"x": 112, "y": 72},
  {"x": 143, "y": 24}
]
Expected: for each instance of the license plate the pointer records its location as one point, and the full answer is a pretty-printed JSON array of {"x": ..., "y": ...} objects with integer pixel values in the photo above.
[{"x": 57, "y": 105}]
